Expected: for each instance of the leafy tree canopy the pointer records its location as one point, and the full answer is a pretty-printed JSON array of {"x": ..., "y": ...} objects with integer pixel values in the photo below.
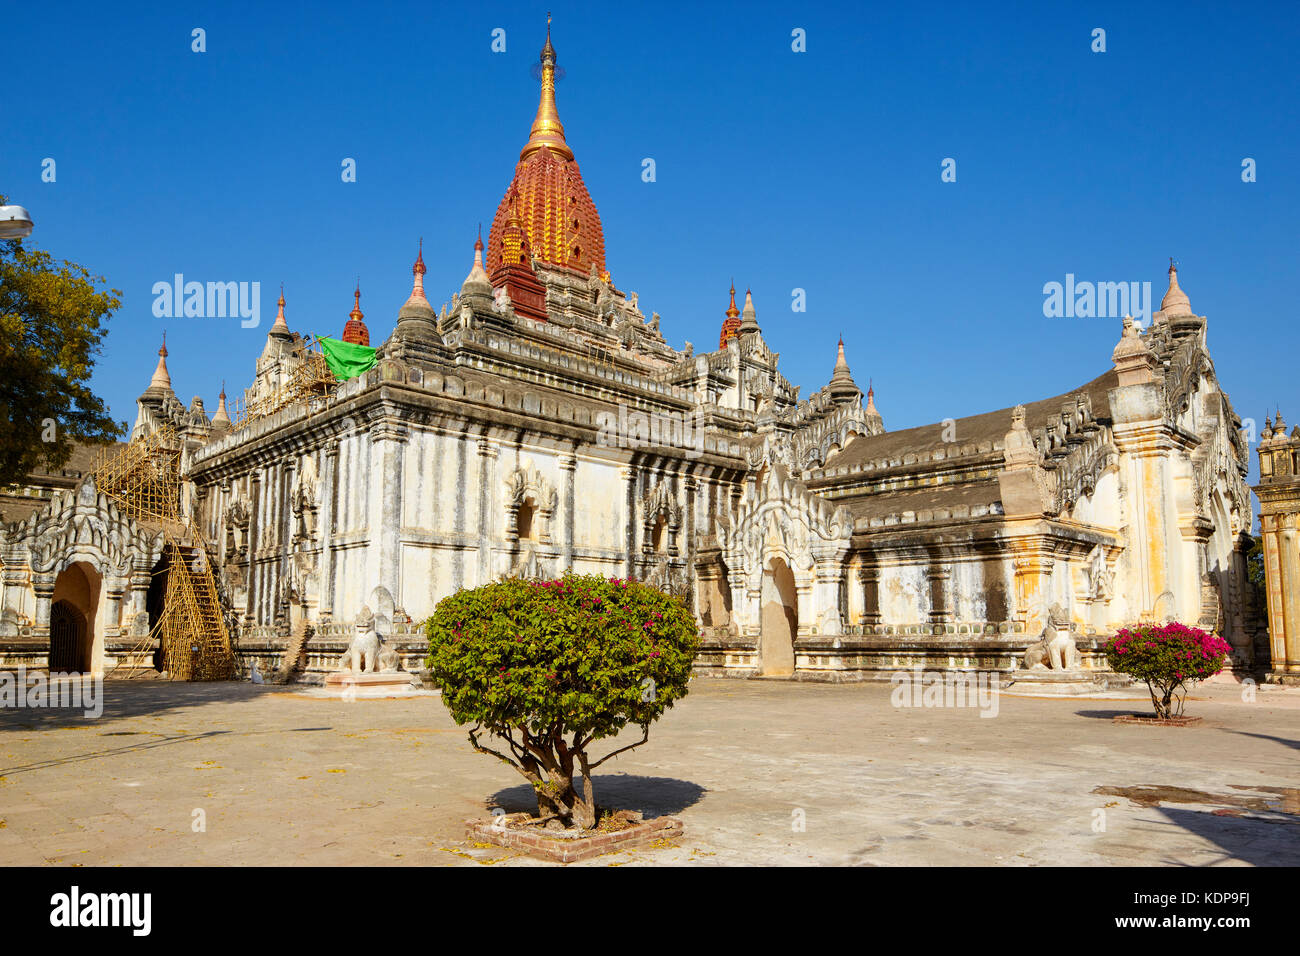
[
  {"x": 550, "y": 668},
  {"x": 52, "y": 321}
]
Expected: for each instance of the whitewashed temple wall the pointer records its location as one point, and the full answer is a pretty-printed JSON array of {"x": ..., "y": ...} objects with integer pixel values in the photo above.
[{"x": 424, "y": 511}]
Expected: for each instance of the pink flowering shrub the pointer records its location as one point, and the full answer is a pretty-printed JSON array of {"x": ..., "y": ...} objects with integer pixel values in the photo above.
[
  {"x": 551, "y": 667},
  {"x": 1167, "y": 657}
]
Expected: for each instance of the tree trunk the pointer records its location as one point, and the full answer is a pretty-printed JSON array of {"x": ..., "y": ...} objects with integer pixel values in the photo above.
[
  {"x": 577, "y": 812},
  {"x": 1161, "y": 704}
]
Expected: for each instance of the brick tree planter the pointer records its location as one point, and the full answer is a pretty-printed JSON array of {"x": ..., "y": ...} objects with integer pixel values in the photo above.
[
  {"x": 550, "y": 845},
  {"x": 1151, "y": 720}
]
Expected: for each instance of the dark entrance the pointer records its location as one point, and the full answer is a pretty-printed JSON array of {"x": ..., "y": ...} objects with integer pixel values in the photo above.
[
  {"x": 68, "y": 642},
  {"x": 155, "y": 603}
]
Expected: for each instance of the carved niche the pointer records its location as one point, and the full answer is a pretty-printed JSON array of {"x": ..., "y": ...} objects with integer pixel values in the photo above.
[
  {"x": 660, "y": 512},
  {"x": 530, "y": 495}
]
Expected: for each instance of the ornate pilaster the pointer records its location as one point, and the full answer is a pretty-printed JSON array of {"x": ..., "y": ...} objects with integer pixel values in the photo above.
[
  {"x": 388, "y": 439},
  {"x": 628, "y": 473},
  {"x": 330, "y": 496},
  {"x": 1033, "y": 579},
  {"x": 1279, "y": 522},
  {"x": 486, "y": 461},
  {"x": 939, "y": 576},
  {"x": 114, "y": 586},
  {"x": 253, "y": 583},
  {"x": 568, "y": 465},
  {"x": 43, "y": 585},
  {"x": 869, "y": 581},
  {"x": 138, "y": 597}
]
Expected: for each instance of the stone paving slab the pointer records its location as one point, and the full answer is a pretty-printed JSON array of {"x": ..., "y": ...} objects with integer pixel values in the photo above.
[{"x": 758, "y": 771}]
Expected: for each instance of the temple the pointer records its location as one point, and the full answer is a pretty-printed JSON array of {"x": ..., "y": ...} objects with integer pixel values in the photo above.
[{"x": 538, "y": 421}]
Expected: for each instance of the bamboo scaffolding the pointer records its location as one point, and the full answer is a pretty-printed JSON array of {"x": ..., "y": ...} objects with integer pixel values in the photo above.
[
  {"x": 144, "y": 480},
  {"x": 309, "y": 377}
]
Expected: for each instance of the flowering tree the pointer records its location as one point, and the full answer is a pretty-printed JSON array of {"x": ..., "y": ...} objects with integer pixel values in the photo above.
[
  {"x": 549, "y": 668},
  {"x": 1167, "y": 657}
]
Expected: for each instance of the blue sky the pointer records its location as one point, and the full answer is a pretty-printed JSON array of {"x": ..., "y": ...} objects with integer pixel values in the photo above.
[{"x": 817, "y": 170}]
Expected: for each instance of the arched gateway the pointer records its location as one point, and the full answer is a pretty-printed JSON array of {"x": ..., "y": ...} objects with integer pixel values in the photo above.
[
  {"x": 787, "y": 548},
  {"x": 780, "y": 620}
]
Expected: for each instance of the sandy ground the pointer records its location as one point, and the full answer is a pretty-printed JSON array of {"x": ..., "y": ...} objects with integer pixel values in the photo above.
[{"x": 760, "y": 772}]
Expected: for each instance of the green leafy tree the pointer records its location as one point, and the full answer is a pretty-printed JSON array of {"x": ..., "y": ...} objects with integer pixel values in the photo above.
[
  {"x": 551, "y": 668},
  {"x": 52, "y": 321},
  {"x": 1255, "y": 563},
  {"x": 1168, "y": 657}
]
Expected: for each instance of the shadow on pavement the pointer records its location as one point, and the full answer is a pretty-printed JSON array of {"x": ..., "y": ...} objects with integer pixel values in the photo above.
[
  {"x": 1112, "y": 714},
  {"x": 653, "y": 796},
  {"x": 122, "y": 700},
  {"x": 1266, "y": 840},
  {"x": 1293, "y": 744}
]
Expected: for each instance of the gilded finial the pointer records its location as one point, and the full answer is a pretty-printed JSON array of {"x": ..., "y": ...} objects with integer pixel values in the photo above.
[{"x": 547, "y": 131}]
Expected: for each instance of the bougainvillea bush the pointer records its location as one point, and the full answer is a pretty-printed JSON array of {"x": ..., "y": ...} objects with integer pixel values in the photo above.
[
  {"x": 550, "y": 668},
  {"x": 1168, "y": 657}
]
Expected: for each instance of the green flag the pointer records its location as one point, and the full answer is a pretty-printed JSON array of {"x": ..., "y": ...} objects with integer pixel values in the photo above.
[{"x": 347, "y": 360}]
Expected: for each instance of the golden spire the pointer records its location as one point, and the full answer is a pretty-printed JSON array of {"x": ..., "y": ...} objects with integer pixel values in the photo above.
[
  {"x": 731, "y": 324},
  {"x": 547, "y": 130},
  {"x": 356, "y": 312},
  {"x": 514, "y": 241}
]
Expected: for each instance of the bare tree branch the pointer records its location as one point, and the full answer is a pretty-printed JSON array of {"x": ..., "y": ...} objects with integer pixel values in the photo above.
[{"x": 645, "y": 735}]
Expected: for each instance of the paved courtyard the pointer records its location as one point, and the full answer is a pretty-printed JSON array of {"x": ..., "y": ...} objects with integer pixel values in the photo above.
[{"x": 759, "y": 771}]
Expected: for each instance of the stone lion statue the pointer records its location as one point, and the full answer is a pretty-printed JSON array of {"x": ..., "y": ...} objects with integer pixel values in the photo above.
[
  {"x": 362, "y": 655},
  {"x": 1055, "y": 649},
  {"x": 368, "y": 654},
  {"x": 390, "y": 662}
]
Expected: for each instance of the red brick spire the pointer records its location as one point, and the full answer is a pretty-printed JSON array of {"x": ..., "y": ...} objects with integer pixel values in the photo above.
[
  {"x": 731, "y": 324},
  {"x": 547, "y": 200},
  {"x": 355, "y": 330}
]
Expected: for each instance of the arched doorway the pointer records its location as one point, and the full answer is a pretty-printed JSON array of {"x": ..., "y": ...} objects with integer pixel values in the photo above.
[
  {"x": 68, "y": 644},
  {"x": 156, "y": 604},
  {"x": 1220, "y": 566},
  {"x": 780, "y": 620},
  {"x": 72, "y": 632}
]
